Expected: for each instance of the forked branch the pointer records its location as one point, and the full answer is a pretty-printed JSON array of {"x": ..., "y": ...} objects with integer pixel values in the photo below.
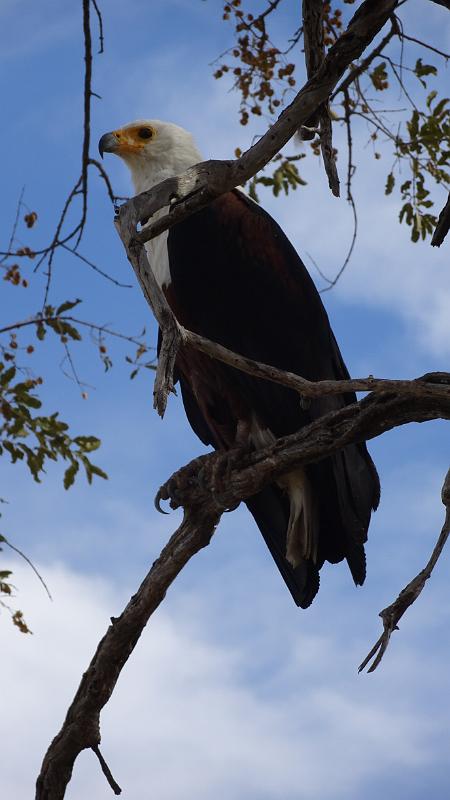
[
  {"x": 392, "y": 615},
  {"x": 205, "y": 488}
]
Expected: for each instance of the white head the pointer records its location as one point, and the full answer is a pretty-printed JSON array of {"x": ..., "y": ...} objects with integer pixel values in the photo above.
[{"x": 153, "y": 150}]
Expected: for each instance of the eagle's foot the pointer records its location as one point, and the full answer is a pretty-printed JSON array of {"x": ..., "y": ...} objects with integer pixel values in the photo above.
[
  {"x": 181, "y": 489},
  {"x": 205, "y": 477},
  {"x": 216, "y": 475}
]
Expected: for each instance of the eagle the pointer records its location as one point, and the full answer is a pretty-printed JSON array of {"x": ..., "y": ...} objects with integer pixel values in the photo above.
[{"x": 230, "y": 274}]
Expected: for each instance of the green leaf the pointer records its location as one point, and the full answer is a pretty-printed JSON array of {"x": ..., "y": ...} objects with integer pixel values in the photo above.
[
  {"x": 390, "y": 183},
  {"x": 97, "y": 471},
  {"x": 68, "y": 330},
  {"x": 30, "y": 400},
  {"x": 8, "y": 376},
  {"x": 67, "y": 306},
  {"x": 424, "y": 69},
  {"x": 430, "y": 98},
  {"x": 87, "y": 443},
  {"x": 69, "y": 475}
]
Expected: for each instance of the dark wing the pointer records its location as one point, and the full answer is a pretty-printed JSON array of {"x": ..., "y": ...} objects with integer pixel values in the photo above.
[{"x": 237, "y": 280}]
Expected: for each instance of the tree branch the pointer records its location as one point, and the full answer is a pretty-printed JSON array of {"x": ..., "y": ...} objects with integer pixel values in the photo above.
[
  {"x": 392, "y": 615},
  {"x": 81, "y": 729},
  {"x": 233, "y": 475},
  {"x": 314, "y": 56},
  {"x": 205, "y": 488}
]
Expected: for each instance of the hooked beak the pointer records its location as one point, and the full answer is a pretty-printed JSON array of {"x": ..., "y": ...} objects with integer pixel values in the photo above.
[{"x": 108, "y": 143}]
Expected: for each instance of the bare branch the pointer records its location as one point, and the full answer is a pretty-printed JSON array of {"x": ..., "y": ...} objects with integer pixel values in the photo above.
[
  {"x": 14, "y": 227},
  {"x": 419, "y": 387},
  {"x": 101, "y": 38},
  {"x": 424, "y": 44},
  {"x": 232, "y": 476},
  {"x": 101, "y": 329},
  {"x": 314, "y": 56},
  {"x": 4, "y": 540},
  {"x": 350, "y": 199},
  {"x": 95, "y": 268},
  {"x": 392, "y": 615},
  {"x": 205, "y": 488},
  {"x": 80, "y": 729}
]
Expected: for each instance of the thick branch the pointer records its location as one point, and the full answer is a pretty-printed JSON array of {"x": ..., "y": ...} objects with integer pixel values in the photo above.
[
  {"x": 392, "y": 615},
  {"x": 417, "y": 388},
  {"x": 233, "y": 476},
  {"x": 205, "y": 488},
  {"x": 81, "y": 727}
]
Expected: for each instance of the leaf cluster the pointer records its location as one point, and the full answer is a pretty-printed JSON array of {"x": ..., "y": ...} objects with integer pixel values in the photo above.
[
  {"x": 36, "y": 439},
  {"x": 426, "y": 153}
]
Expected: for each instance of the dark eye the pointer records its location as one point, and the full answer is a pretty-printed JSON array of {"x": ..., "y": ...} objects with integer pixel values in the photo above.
[{"x": 145, "y": 133}]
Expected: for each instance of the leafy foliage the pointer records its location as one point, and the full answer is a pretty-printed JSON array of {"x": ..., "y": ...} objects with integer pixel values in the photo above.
[{"x": 35, "y": 439}]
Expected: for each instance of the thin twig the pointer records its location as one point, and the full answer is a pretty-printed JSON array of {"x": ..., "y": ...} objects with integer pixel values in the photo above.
[
  {"x": 100, "y": 26},
  {"x": 425, "y": 44},
  {"x": 350, "y": 198},
  {"x": 95, "y": 268},
  {"x": 4, "y": 540},
  {"x": 392, "y": 615},
  {"x": 14, "y": 227},
  {"x": 45, "y": 320}
]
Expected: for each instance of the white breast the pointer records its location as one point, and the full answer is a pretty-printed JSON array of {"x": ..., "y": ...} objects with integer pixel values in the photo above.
[{"x": 158, "y": 255}]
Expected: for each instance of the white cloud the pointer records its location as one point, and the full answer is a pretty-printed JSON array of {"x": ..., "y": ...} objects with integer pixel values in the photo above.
[{"x": 187, "y": 721}]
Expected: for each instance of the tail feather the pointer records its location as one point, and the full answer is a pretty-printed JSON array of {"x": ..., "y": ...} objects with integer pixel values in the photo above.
[
  {"x": 270, "y": 509},
  {"x": 345, "y": 489}
]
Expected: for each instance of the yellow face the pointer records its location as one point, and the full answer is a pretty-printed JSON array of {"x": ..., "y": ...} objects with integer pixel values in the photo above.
[{"x": 133, "y": 139}]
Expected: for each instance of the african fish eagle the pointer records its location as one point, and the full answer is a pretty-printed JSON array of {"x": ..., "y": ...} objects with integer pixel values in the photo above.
[{"x": 230, "y": 274}]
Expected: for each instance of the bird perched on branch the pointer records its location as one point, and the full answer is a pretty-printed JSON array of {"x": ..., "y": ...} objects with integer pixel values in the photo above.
[{"x": 230, "y": 274}]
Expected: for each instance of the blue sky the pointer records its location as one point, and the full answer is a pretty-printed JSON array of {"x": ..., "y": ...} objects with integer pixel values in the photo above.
[{"x": 232, "y": 691}]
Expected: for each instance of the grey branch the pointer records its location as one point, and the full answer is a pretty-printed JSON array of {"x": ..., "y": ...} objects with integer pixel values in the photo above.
[
  {"x": 418, "y": 387},
  {"x": 81, "y": 729},
  {"x": 392, "y": 615},
  {"x": 314, "y": 56},
  {"x": 232, "y": 476},
  {"x": 205, "y": 488}
]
